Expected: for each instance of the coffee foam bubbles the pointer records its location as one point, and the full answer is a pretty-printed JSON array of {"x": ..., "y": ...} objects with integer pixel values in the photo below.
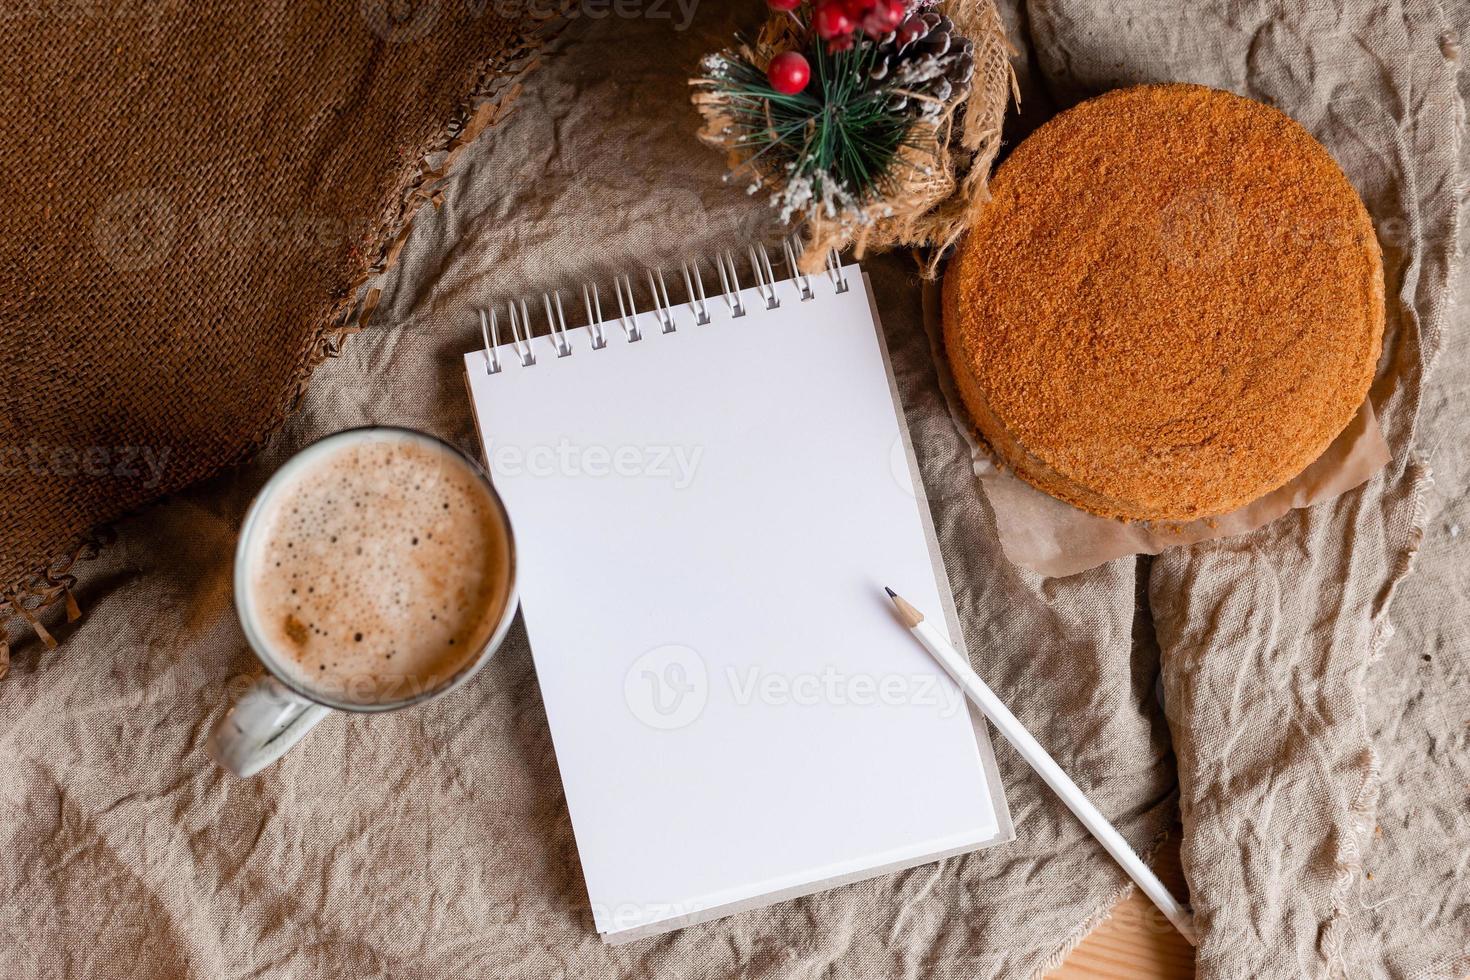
[{"x": 380, "y": 571}]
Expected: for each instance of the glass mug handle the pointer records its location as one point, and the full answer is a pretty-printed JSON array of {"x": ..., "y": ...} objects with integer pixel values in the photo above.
[{"x": 262, "y": 726}]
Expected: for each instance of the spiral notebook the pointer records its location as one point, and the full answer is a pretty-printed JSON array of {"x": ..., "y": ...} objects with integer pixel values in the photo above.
[{"x": 708, "y": 497}]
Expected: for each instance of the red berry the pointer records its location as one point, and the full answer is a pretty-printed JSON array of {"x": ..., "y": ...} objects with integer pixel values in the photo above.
[
  {"x": 832, "y": 20},
  {"x": 788, "y": 73},
  {"x": 885, "y": 16},
  {"x": 783, "y": 5}
]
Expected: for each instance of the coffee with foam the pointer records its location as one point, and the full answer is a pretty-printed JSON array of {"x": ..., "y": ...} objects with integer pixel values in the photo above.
[{"x": 379, "y": 571}]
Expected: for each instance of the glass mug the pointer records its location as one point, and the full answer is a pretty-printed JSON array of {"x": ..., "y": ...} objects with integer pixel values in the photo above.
[{"x": 285, "y": 703}]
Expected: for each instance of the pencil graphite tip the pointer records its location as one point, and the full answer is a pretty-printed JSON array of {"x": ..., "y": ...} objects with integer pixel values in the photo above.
[{"x": 911, "y": 617}]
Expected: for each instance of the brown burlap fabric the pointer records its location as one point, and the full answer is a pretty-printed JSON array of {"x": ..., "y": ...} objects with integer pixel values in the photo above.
[
  {"x": 1323, "y": 791},
  {"x": 192, "y": 193}
]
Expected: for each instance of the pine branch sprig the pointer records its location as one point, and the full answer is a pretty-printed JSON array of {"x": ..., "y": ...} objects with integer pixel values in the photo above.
[{"x": 834, "y": 144}]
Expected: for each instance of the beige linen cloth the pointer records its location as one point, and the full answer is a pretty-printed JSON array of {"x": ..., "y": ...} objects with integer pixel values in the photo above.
[{"x": 1323, "y": 767}]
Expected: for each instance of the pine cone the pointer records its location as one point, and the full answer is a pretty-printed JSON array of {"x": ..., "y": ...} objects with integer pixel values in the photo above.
[{"x": 927, "y": 62}]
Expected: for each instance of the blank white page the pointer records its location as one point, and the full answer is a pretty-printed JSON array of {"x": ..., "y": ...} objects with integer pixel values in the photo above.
[{"x": 704, "y": 523}]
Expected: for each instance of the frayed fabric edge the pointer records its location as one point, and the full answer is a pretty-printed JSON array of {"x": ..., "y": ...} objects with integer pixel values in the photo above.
[{"x": 497, "y": 85}]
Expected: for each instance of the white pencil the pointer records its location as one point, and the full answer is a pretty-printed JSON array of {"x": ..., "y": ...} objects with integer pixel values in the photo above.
[{"x": 1000, "y": 716}]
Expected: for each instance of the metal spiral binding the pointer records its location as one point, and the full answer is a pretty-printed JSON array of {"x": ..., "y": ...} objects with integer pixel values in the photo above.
[
  {"x": 491, "y": 333},
  {"x": 662, "y": 307},
  {"x": 765, "y": 276},
  {"x": 519, "y": 325},
  {"x": 792, "y": 246},
  {"x": 834, "y": 270},
  {"x": 698, "y": 305},
  {"x": 558, "y": 324},
  {"x": 730, "y": 282},
  {"x": 593, "y": 302},
  {"x": 627, "y": 315}
]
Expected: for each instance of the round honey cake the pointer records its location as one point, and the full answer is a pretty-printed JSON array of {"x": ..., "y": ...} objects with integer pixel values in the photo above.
[{"x": 1172, "y": 305}]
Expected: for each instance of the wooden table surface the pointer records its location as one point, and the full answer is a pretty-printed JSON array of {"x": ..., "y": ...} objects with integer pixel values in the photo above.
[{"x": 1136, "y": 942}]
